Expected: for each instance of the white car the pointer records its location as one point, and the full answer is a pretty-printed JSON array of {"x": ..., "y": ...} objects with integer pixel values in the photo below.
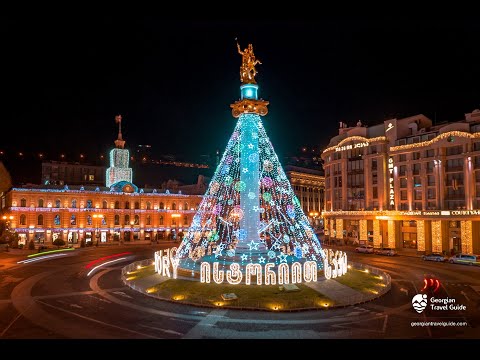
[
  {"x": 434, "y": 257},
  {"x": 367, "y": 249},
  {"x": 464, "y": 259}
]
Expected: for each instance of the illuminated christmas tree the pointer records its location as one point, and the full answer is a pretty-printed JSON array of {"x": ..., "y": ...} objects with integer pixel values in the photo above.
[{"x": 249, "y": 213}]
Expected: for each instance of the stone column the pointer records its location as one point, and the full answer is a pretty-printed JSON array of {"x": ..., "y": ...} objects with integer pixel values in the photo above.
[
  {"x": 377, "y": 239},
  {"x": 466, "y": 229},
  {"x": 420, "y": 235}
]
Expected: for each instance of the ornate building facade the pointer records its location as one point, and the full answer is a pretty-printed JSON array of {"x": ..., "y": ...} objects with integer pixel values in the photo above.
[
  {"x": 406, "y": 184},
  {"x": 117, "y": 212},
  {"x": 309, "y": 187}
]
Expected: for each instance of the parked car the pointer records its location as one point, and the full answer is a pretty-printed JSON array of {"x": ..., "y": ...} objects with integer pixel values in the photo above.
[
  {"x": 434, "y": 257},
  {"x": 464, "y": 259},
  {"x": 367, "y": 249},
  {"x": 385, "y": 251}
]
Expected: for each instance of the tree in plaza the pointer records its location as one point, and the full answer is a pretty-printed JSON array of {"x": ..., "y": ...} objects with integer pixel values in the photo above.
[{"x": 249, "y": 213}]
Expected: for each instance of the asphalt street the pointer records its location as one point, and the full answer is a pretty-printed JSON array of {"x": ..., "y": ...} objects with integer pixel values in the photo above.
[{"x": 56, "y": 299}]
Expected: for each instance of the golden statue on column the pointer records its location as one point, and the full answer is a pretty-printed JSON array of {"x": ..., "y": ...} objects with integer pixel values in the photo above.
[{"x": 247, "y": 70}]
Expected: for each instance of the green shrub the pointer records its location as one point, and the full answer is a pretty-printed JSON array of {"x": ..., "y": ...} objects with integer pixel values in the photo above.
[{"x": 59, "y": 242}]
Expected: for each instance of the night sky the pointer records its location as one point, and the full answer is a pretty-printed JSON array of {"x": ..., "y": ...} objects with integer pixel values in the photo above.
[{"x": 173, "y": 81}]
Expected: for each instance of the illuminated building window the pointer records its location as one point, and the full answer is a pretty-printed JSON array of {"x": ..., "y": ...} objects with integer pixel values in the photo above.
[
  {"x": 174, "y": 222},
  {"x": 417, "y": 194},
  {"x": 89, "y": 204},
  {"x": 174, "y": 206},
  {"x": 137, "y": 205},
  {"x": 56, "y": 220},
  {"x": 74, "y": 203},
  {"x": 148, "y": 220},
  {"x": 104, "y": 221},
  {"x": 127, "y": 220},
  {"x": 73, "y": 220},
  {"x": 162, "y": 206},
  {"x": 454, "y": 164},
  {"x": 161, "y": 220},
  {"x": 40, "y": 219},
  {"x": 416, "y": 169},
  {"x": 40, "y": 203},
  {"x": 185, "y": 220},
  {"x": 149, "y": 205},
  {"x": 104, "y": 204},
  {"x": 23, "y": 203},
  {"x": 185, "y": 206},
  {"x": 137, "y": 220},
  {"x": 127, "y": 205},
  {"x": 57, "y": 203},
  {"x": 454, "y": 150},
  {"x": 417, "y": 182},
  {"x": 430, "y": 167},
  {"x": 117, "y": 220},
  {"x": 117, "y": 205},
  {"x": 89, "y": 220},
  {"x": 23, "y": 220},
  {"x": 91, "y": 177}
]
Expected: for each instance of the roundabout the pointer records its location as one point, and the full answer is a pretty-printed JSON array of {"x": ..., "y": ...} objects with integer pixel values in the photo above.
[
  {"x": 55, "y": 299},
  {"x": 360, "y": 284}
]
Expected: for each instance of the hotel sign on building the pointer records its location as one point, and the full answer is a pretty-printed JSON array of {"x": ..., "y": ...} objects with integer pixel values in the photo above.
[
  {"x": 352, "y": 146},
  {"x": 391, "y": 189}
]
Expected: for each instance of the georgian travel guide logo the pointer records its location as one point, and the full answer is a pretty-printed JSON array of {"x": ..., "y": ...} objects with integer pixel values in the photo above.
[{"x": 419, "y": 302}]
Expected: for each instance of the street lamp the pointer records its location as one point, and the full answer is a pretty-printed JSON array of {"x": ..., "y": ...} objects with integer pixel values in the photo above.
[
  {"x": 314, "y": 215},
  {"x": 97, "y": 218},
  {"x": 131, "y": 229},
  {"x": 7, "y": 220}
]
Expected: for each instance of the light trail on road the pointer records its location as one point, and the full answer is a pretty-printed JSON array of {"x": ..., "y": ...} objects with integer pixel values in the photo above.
[
  {"x": 90, "y": 264},
  {"x": 105, "y": 263},
  {"x": 40, "y": 258}
]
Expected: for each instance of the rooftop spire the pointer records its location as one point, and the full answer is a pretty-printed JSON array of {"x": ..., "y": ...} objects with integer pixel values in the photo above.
[{"x": 119, "y": 143}]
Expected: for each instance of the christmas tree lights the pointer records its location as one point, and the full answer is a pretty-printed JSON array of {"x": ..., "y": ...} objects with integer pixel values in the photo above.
[{"x": 249, "y": 214}]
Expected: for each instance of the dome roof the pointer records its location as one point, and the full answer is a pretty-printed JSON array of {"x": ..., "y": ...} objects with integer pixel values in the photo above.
[{"x": 124, "y": 186}]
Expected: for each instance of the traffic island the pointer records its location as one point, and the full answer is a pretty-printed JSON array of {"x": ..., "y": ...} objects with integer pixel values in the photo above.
[{"x": 361, "y": 284}]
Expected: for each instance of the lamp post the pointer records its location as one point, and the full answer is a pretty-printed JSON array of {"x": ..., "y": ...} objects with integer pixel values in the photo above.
[
  {"x": 7, "y": 220},
  {"x": 314, "y": 215},
  {"x": 97, "y": 218},
  {"x": 131, "y": 229}
]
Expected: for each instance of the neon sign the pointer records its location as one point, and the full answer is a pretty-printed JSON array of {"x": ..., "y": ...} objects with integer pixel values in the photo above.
[
  {"x": 391, "y": 190},
  {"x": 352, "y": 146}
]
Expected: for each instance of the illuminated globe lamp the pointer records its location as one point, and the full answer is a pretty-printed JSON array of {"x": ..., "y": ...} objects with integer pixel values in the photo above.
[{"x": 249, "y": 219}]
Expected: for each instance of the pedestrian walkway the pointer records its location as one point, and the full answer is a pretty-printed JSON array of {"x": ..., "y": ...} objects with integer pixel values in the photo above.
[{"x": 339, "y": 293}]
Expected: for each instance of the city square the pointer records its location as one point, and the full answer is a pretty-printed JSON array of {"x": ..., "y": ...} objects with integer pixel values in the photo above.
[{"x": 244, "y": 222}]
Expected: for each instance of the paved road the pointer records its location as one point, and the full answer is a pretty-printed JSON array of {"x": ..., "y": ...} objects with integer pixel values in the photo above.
[{"x": 56, "y": 299}]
